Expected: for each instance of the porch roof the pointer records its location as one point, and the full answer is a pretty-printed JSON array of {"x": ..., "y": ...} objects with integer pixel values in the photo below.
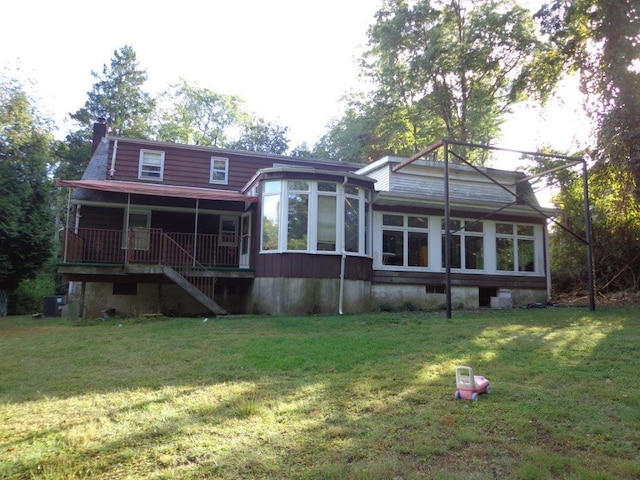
[{"x": 157, "y": 190}]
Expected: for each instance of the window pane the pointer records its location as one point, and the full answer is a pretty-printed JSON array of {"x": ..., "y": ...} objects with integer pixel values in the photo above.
[
  {"x": 525, "y": 230},
  {"x": 393, "y": 220},
  {"x": 270, "y": 221},
  {"x": 297, "y": 222},
  {"x": 392, "y": 247},
  {"x": 472, "y": 226},
  {"x": 504, "y": 253},
  {"x": 298, "y": 185},
  {"x": 474, "y": 253},
  {"x": 504, "y": 228},
  {"x": 351, "y": 224},
  {"x": 326, "y": 223},
  {"x": 418, "y": 222},
  {"x": 454, "y": 225},
  {"x": 350, "y": 190},
  {"x": 418, "y": 249},
  {"x": 326, "y": 187},
  {"x": 456, "y": 252},
  {"x": 272, "y": 186},
  {"x": 525, "y": 256}
]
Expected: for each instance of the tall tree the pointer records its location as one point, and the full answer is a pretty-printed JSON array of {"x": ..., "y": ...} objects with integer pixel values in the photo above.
[
  {"x": 446, "y": 69},
  {"x": 198, "y": 115},
  {"x": 118, "y": 97},
  {"x": 258, "y": 135},
  {"x": 601, "y": 40},
  {"x": 26, "y": 218}
]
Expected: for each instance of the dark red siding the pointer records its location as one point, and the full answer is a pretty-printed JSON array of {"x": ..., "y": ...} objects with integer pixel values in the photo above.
[{"x": 302, "y": 265}]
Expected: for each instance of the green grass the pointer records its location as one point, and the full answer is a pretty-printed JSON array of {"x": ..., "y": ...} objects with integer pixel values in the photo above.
[{"x": 324, "y": 397}]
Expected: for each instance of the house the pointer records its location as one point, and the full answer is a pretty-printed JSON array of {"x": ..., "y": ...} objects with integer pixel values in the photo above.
[{"x": 189, "y": 230}]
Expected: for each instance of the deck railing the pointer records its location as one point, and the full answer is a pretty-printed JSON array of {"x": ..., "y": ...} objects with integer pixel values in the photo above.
[{"x": 148, "y": 246}]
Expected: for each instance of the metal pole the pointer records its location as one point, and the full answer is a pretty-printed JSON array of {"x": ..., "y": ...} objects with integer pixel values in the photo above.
[
  {"x": 587, "y": 226},
  {"x": 447, "y": 230}
]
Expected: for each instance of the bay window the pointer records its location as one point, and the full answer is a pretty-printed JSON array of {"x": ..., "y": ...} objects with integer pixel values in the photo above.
[{"x": 314, "y": 216}]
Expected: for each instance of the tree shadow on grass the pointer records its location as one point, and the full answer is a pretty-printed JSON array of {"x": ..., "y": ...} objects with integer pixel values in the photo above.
[{"x": 384, "y": 415}]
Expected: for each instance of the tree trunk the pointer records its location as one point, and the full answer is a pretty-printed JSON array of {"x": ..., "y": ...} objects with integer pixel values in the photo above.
[{"x": 4, "y": 303}]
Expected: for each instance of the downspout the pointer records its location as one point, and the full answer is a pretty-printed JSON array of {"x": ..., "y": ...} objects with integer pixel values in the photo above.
[
  {"x": 343, "y": 260},
  {"x": 547, "y": 259},
  {"x": 112, "y": 170}
]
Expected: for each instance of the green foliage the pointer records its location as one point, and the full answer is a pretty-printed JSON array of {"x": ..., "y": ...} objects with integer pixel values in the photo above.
[
  {"x": 26, "y": 219},
  {"x": 196, "y": 115},
  {"x": 118, "y": 97},
  {"x": 28, "y": 297},
  {"x": 442, "y": 70},
  {"x": 258, "y": 135}
]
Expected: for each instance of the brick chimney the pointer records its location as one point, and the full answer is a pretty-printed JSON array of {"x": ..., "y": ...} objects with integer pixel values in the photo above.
[{"x": 99, "y": 132}]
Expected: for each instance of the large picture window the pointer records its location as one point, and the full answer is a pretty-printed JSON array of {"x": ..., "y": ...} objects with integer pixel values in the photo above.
[
  {"x": 405, "y": 240},
  {"x": 515, "y": 247},
  {"x": 467, "y": 244}
]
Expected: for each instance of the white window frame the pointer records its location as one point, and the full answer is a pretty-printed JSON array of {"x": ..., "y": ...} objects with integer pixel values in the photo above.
[
  {"x": 404, "y": 229},
  {"x": 515, "y": 237},
  {"x": 462, "y": 233},
  {"x": 312, "y": 218},
  {"x": 228, "y": 238},
  {"x": 213, "y": 169},
  {"x": 144, "y": 172}
]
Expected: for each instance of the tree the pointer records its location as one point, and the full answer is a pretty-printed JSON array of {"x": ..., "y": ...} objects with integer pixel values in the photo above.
[
  {"x": 26, "y": 218},
  {"x": 600, "y": 39},
  {"x": 118, "y": 97},
  {"x": 197, "y": 115},
  {"x": 446, "y": 69},
  {"x": 258, "y": 135}
]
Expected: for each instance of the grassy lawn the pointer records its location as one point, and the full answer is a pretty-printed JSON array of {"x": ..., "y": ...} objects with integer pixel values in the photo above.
[{"x": 352, "y": 397}]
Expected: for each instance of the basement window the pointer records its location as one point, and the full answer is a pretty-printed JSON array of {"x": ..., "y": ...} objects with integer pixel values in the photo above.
[{"x": 125, "y": 289}]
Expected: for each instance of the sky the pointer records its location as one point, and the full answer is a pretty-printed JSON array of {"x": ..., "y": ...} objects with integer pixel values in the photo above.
[{"x": 289, "y": 60}]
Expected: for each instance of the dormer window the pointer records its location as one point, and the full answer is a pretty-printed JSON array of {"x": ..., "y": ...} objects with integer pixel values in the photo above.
[
  {"x": 151, "y": 166},
  {"x": 219, "y": 170}
]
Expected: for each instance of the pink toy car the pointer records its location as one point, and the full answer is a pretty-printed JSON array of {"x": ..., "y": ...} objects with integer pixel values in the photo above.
[{"x": 470, "y": 385}]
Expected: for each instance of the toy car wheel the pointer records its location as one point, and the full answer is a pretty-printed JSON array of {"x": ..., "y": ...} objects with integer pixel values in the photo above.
[
  {"x": 474, "y": 397},
  {"x": 488, "y": 389},
  {"x": 457, "y": 395}
]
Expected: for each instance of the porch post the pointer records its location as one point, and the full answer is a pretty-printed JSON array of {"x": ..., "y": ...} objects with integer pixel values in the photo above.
[
  {"x": 447, "y": 231},
  {"x": 126, "y": 230},
  {"x": 66, "y": 227},
  {"x": 195, "y": 235}
]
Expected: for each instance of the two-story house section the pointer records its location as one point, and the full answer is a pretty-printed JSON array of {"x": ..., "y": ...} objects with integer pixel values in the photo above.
[{"x": 157, "y": 227}]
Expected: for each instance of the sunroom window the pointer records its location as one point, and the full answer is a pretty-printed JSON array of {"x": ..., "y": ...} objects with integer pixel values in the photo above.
[
  {"x": 467, "y": 244},
  {"x": 515, "y": 247},
  {"x": 405, "y": 240}
]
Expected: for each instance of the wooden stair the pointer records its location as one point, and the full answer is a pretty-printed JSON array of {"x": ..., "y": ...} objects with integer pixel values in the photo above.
[{"x": 191, "y": 276}]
